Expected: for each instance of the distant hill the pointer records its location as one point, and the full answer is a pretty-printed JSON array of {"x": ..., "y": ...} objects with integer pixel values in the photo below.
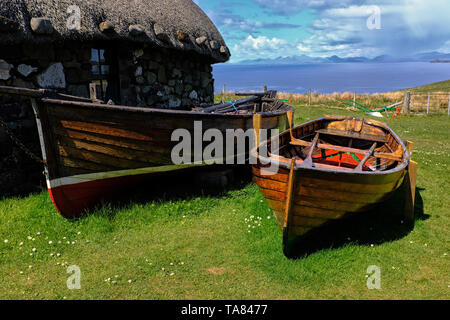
[
  {"x": 304, "y": 59},
  {"x": 443, "y": 86}
]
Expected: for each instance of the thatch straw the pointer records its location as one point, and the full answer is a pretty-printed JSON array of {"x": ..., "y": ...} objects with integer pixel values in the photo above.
[{"x": 178, "y": 23}]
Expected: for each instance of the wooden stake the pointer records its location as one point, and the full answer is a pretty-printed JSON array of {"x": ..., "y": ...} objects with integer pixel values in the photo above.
[
  {"x": 409, "y": 186},
  {"x": 407, "y": 102},
  {"x": 289, "y": 196},
  {"x": 290, "y": 118},
  {"x": 257, "y": 128},
  {"x": 309, "y": 97}
]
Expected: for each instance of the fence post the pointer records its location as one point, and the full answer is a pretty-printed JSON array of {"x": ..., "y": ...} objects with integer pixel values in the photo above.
[
  {"x": 428, "y": 104},
  {"x": 354, "y": 99},
  {"x": 265, "y": 89},
  {"x": 448, "y": 111},
  {"x": 407, "y": 102},
  {"x": 309, "y": 97},
  {"x": 223, "y": 93}
]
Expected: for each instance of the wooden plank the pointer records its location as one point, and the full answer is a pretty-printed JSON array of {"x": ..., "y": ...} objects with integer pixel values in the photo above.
[
  {"x": 346, "y": 206},
  {"x": 298, "y": 220},
  {"x": 369, "y": 154},
  {"x": 353, "y": 135},
  {"x": 409, "y": 186},
  {"x": 270, "y": 184},
  {"x": 281, "y": 176},
  {"x": 274, "y": 195},
  {"x": 318, "y": 184},
  {"x": 289, "y": 194},
  {"x": 317, "y": 212},
  {"x": 346, "y": 196}
]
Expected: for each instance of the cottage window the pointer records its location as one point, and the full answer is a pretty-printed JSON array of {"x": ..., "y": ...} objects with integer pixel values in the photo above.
[{"x": 103, "y": 74}]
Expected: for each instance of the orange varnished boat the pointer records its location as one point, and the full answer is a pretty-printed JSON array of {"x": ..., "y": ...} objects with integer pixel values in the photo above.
[{"x": 328, "y": 169}]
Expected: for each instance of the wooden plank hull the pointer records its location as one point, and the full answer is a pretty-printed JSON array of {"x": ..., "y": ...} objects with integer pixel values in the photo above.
[
  {"x": 93, "y": 151},
  {"x": 331, "y": 186}
]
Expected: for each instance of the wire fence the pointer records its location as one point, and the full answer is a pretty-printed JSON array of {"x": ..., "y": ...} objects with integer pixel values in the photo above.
[{"x": 430, "y": 103}]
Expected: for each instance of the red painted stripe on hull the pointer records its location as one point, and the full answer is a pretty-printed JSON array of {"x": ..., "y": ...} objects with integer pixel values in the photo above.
[{"x": 72, "y": 201}]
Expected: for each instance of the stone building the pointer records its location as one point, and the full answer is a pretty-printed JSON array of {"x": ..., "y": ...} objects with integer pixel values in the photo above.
[{"x": 144, "y": 53}]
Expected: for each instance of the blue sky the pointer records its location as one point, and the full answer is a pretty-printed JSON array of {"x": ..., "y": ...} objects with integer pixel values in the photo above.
[{"x": 272, "y": 28}]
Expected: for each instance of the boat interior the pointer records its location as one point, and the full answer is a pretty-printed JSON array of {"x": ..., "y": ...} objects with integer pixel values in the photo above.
[{"x": 340, "y": 143}]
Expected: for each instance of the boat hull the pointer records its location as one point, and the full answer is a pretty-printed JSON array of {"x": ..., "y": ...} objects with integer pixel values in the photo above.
[
  {"x": 93, "y": 151},
  {"x": 319, "y": 199}
]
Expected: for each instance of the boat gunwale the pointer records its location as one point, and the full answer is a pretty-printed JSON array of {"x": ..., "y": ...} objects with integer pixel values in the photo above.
[
  {"x": 122, "y": 108},
  {"x": 286, "y": 165}
]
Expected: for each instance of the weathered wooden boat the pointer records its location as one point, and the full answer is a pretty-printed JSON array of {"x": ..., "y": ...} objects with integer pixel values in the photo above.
[
  {"x": 328, "y": 169},
  {"x": 93, "y": 150}
]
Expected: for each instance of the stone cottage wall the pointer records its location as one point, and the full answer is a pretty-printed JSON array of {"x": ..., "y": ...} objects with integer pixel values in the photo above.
[{"x": 149, "y": 77}]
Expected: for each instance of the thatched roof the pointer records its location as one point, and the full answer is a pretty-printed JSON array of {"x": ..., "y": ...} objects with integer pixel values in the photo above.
[{"x": 179, "y": 24}]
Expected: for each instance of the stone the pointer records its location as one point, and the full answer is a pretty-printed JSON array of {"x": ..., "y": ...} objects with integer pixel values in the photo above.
[
  {"x": 8, "y": 25},
  {"x": 179, "y": 88},
  {"x": 23, "y": 84},
  {"x": 106, "y": 26},
  {"x": 188, "y": 79},
  {"x": 214, "y": 44},
  {"x": 138, "y": 53},
  {"x": 193, "y": 95},
  {"x": 26, "y": 70},
  {"x": 160, "y": 33},
  {"x": 162, "y": 78},
  {"x": 138, "y": 71},
  {"x": 182, "y": 36},
  {"x": 200, "y": 40},
  {"x": 140, "y": 80},
  {"x": 152, "y": 65},
  {"x": 136, "y": 30},
  {"x": 205, "y": 80},
  {"x": 224, "y": 50},
  {"x": 52, "y": 77},
  {"x": 187, "y": 88},
  {"x": 146, "y": 89},
  {"x": 41, "y": 26},
  {"x": 176, "y": 73},
  {"x": 78, "y": 90},
  {"x": 174, "y": 103},
  {"x": 151, "y": 77},
  {"x": 5, "y": 69}
]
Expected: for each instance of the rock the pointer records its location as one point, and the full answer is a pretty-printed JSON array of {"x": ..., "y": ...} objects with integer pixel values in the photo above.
[
  {"x": 41, "y": 26},
  {"x": 8, "y": 25},
  {"x": 106, "y": 26},
  {"x": 182, "y": 36},
  {"x": 187, "y": 88},
  {"x": 138, "y": 71},
  {"x": 152, "y": 65},
  {"x": 200, "y": 40},
  {"x": 205, "y": 79},
  {"x": 140, "y": 80},
  {"x": 151, "y": 77},
  {"x": 193, "y": 95},
  {"x": 136, "y": 30},
  {"x": 179, "y": 88},
  {"x": 176, "y": 73},
  {"x": 224, "y": 50},
  {"x": 174, "y": 103},
  {"x": 160, "y": 33},
  {"x": 188, "y": 79},
  {"x": 52, "y": 77},
  {"x": 162, "y": 78},
  {"x": 23, "y": 84},
  {"x": 138, "y": 53},
  {"x": 78, "y": 90},
  {"x": 5, "y": 69},
  {"x": 214, "y": 44},
  {"x": 146, "y": 89},
  {"x": 26, "y": 70}
]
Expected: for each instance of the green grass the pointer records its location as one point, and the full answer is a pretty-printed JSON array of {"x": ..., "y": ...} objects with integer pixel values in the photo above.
[
  {"x": 437, "y": 86},
  {"x": 202, "y": 241}
]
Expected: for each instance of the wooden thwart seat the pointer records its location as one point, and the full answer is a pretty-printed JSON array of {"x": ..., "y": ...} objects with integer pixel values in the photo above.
[{"x": 353, "y": 135}]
